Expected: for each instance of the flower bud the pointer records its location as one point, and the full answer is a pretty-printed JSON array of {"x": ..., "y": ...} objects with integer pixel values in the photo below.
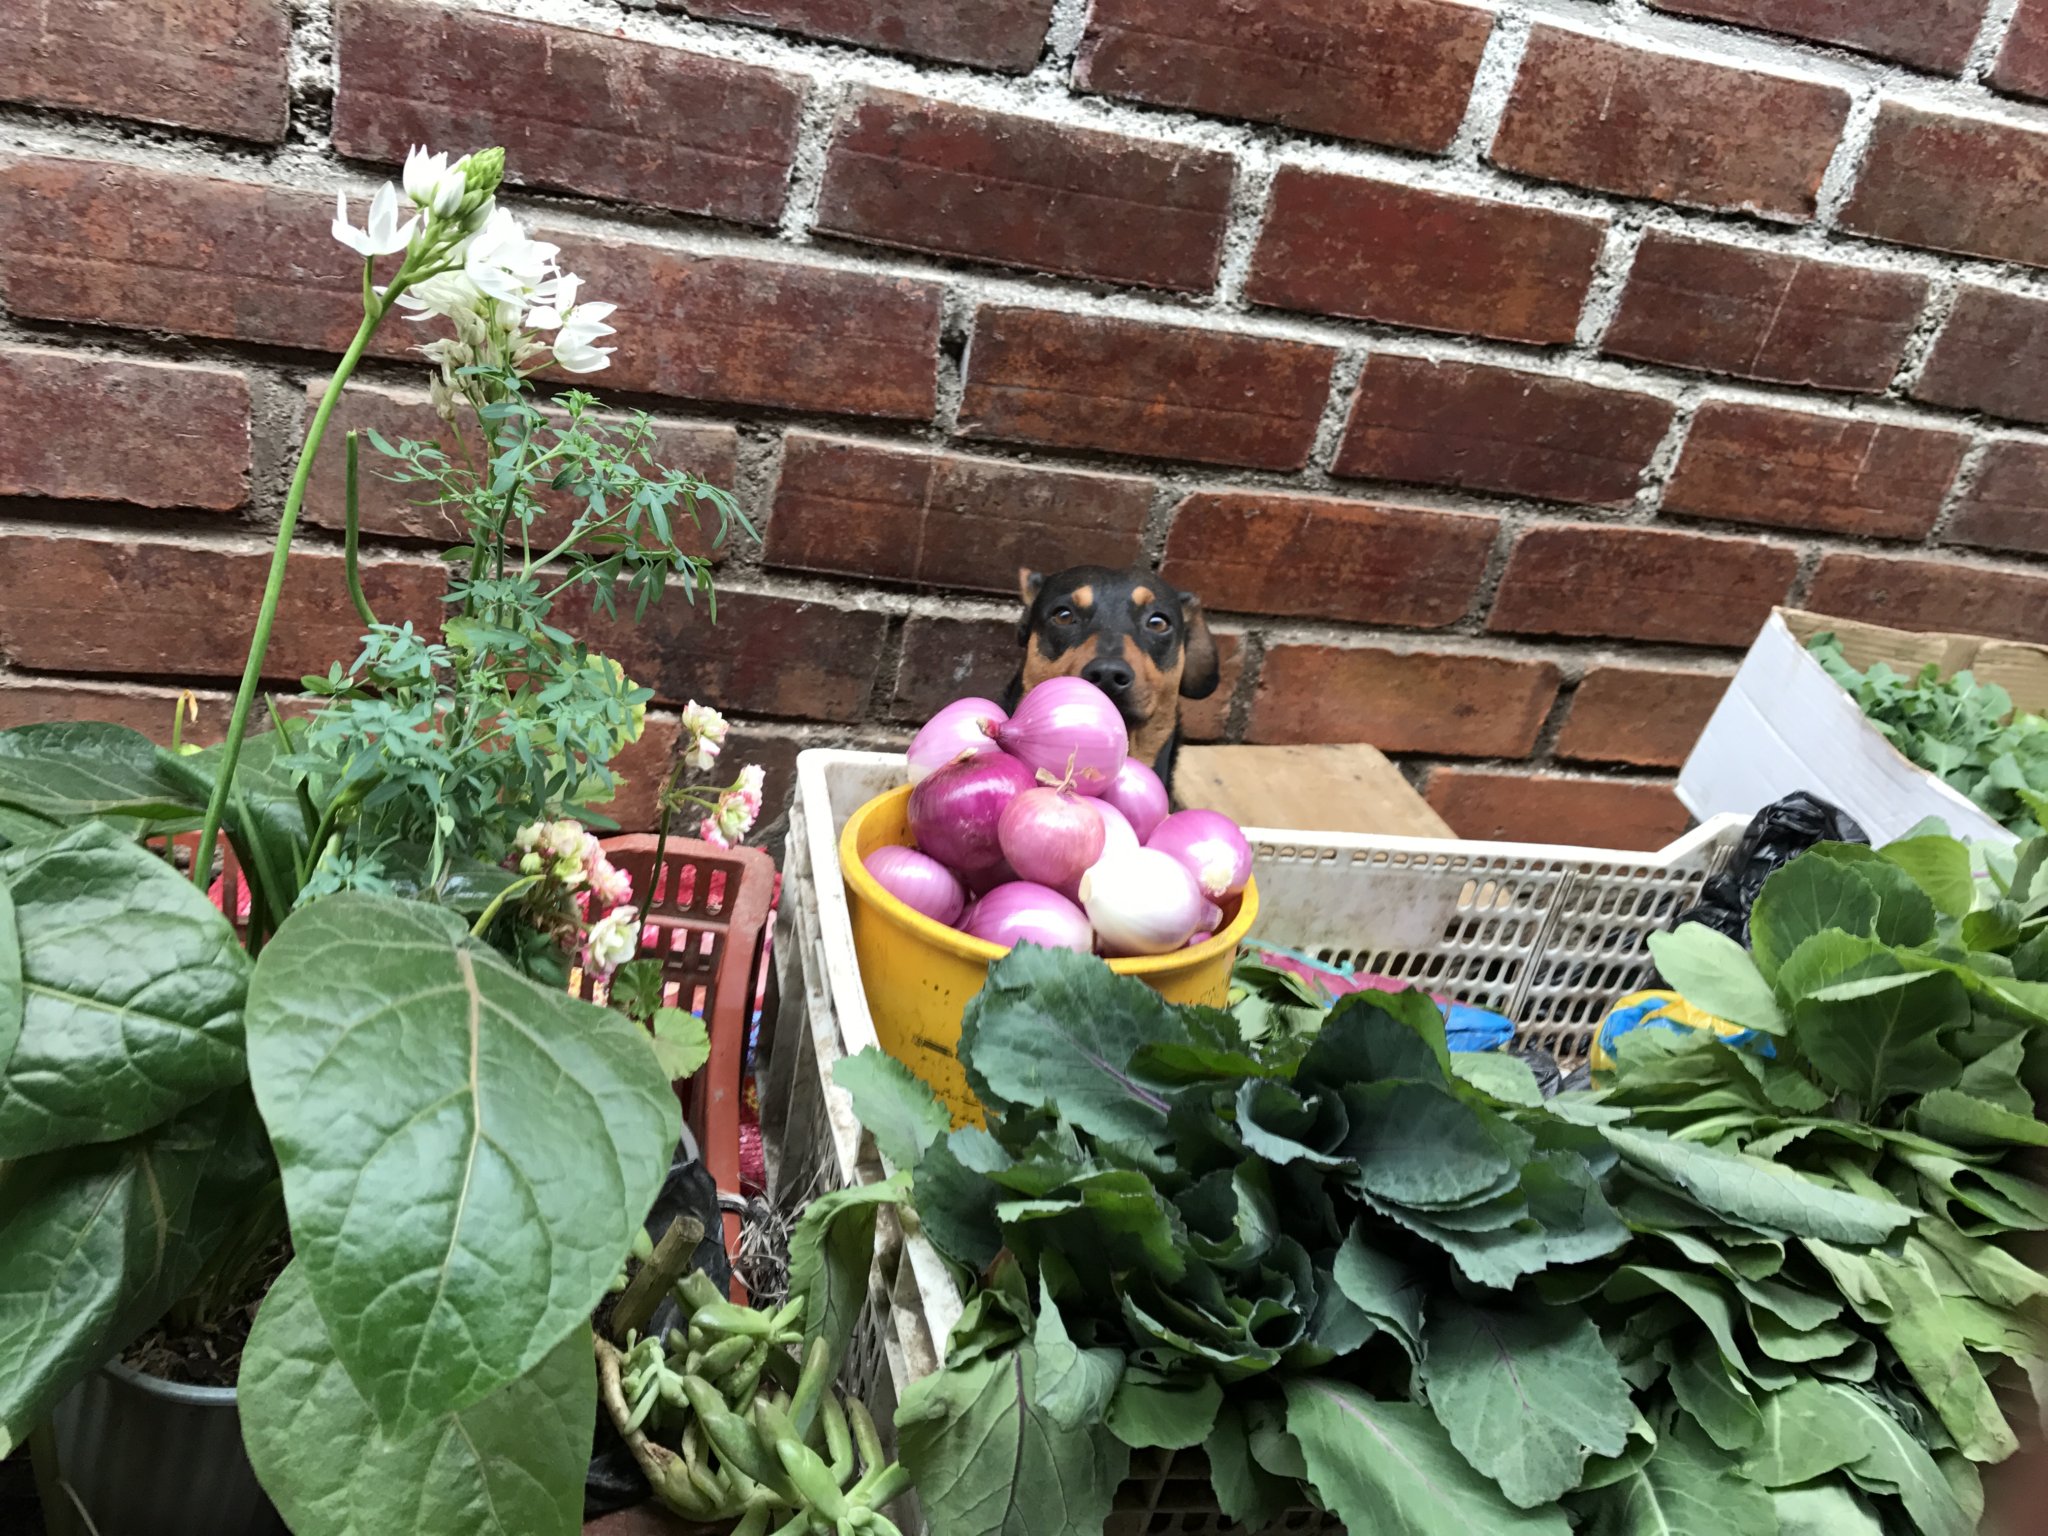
[{"x": 482, "y": 172}]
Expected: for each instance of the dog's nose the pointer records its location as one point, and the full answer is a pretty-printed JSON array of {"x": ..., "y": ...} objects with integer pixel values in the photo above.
[{"x": 1112, "y": 677}]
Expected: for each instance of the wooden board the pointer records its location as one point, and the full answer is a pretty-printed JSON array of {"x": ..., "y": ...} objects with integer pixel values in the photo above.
[{"x": 1326, "y": 789}]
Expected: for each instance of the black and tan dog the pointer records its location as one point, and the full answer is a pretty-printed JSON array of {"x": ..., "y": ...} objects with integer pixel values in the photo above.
[{"x": 1137, "y": 639}]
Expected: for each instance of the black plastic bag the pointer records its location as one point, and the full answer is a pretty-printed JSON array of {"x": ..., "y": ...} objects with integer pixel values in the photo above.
[
  {"x": 615, "y": 1480},
  {"x": 1777, "y": 834}
]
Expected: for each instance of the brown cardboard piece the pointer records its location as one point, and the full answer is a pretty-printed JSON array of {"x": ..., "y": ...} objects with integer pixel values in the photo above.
[
  {"x": 1318, "y": 788},
  {"x": 2020, "y": 669}
]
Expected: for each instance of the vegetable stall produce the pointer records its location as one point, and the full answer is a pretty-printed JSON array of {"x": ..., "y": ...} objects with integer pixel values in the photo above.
[{"x": 1727, "y": 1290}]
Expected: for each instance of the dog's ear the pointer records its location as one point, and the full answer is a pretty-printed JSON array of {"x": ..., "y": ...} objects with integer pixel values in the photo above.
[
  {"x": 1029, "y": 583},
  {"x": 1200, "y": 673}
]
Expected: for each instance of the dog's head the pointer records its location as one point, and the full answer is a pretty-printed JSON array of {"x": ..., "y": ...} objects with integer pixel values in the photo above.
[{"x": 1137, "y": 639}]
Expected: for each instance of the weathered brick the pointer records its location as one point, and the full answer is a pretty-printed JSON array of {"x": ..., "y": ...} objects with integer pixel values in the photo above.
[
  {"x": 128, "y": 606},
  {"x": 2022, "y": 66},
  {"x": 1342, "y": 245},
  {"x": 1492, "y": 806},
  {"x": 997, "y": 34},
  {"x": 1026, "y": 192},
  {"x": 1388, "y": 71},
  {"x": 1764, "y": 314},
  {"x": 1682, "y": 130},
  {"x": 147, "y": 710},
  {"x": 1790, "y": 469},
  {"x": 104, "y": 429},
  {"x": 1928, "y": 34},
  {"x": 1313, "y": 557},
  {"x": 765, "y": 655},
  {"x": 759, "y": 332},
  {"x": 391, "y": 509},
  {"x": 946, "y": 659},
  {"x": 1932, "y": 595},
  {"x": 1953, "y": 183},
  {"x": 2006, "y": 506},
  {"x": 642, "y": 767},
  {"x": 1157, "y": 391},
  {"x": 1483, "y": 428},
  {"x": 1640, "y": 584},
  {"x": 1456, "y": 704},
  {"x": 216, "y": 65},
  {"x": 1207, "y": 719},
  {"x": 944, "y": 519},
  {"x": 1645, "y": 716},
  {"x": 1991, "y": 355},
  {"x": 576, "y": 110}
]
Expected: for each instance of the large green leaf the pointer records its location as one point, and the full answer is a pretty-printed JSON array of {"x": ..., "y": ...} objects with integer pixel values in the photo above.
[
  {"x": 64, "y": 771},
  {"x": 512, "y": 1464},
  {"x": 1806, "y": 897},
  {"x": 1383, "y": 1288},
  {"x": 1390, "y": 1468},
  {"x": 132, "y": 987},
  {"x": 1825, "y": 1509},
  {"x": 1803, "y": 1437},
  {"x": 1053, "y": 1027},
  {"x": 1714, "y": 973},
  {"x": 1751, "y": 1190},
  {"x": 466, "y": 1154},
  {"x": 1962, "y": 1121},
  {"x": 1074, "y": 1385},
  {"x": 831, "y": 1253},
  {"x": 11, "y": 999},
  {"x": 1417, "y": 1145},
  {"x": 1888, "y": 1043},
  {"x": 1901, "y": 1464},
  {"x": 1683, "y": 1489},
  {"x": 97, "y": 1241},
  {"x": 1940, "y": 866},
  {"x": 1526, "y": 1393},
  {"x": 1929, "y": 1342},
  {"x": 899, "y": 1109},
  {"x": 988, "y": 1461}
]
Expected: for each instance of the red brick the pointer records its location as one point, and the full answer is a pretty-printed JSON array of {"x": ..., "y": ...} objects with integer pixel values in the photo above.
[
  {"x": 1026, "y": 192},
  {"x": 1935, "y": 595},
  {"x": 102, "y": 429},
  {"x": 1991, "y": 355},
  {"x": 1341, "y": 245},
  {"x": 1640, "y": 584},
  {"x": 143, "y": 607},
  {"x": 1764, "y": 314},
  {"x": 1928, "y": 34},
  {"x": 1952, "y": 183},
  {"x": 1639, "y": 715},
  {"x": 1402, "y": 701},
  {"x": 2022, "y": 66},
  {"x": 1388, "y": 71},
  {"x": 759, "y": 332},
  {"x": 943, "y": 519},
  {"x": 147, "y": 710},
  {"x": 1157, "y": 391},
  {"x": 946, "y": 659},
  {"x": 1311, "y": 557},
  {"x": 2006, "y": 506},
  {"x": 1839, "y": 474},
  {"x": 1483, "y": 428},
  {"x": 997, "y": 34},
  {"x": 575, "y": 110},
  {"x": 1492, "y": 806},
  {"x": 765, "y": 655},
  {"x": 1681, "y": 130},
  {"x": 642, "y": 768},
  {"x": 391, "y": 509},
  {"x": 216, "y": 65}
]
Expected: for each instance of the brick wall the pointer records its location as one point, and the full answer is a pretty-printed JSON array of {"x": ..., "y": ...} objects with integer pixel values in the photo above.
[{"x": 1490, "y": 369}]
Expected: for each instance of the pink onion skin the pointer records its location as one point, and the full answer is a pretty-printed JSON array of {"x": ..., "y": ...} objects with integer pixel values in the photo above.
[
  {"x": 1067, "y": 729},
  {"x": 954, "y": 811},
  {"x": 1050, "y": 837},
  {"x": 1119, "y": 836},
  {"x": 963, "y": 727},
  {"x": 1137, "y": 792},
  {"x": 1211, "y": 845},
  {"x": 1143, "y": 903},
  {"x": 1199, "y": 938},
  {"x": 1025, "y": 913},
  {"x": 920, "y": 882}
]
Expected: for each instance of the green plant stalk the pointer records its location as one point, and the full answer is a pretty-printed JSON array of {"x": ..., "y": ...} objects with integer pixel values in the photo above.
[
  {"x": 350, "y": 539},
  {"x": 273, "y": 588},
  {"x": 516, "y": 888}
]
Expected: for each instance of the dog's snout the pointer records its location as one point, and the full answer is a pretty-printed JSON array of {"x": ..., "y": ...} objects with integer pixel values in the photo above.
[{"x": 1112, "y": 677}]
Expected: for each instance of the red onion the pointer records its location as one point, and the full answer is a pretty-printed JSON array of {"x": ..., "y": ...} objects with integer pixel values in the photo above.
[
  {"x": 1050, "y": 837},
  {"x": 953, "y": 812},
  {"x": 1212, "y": 847},
  {"x": 1024, "y": 913},
  {"x": 919, "y": 881},
  {"x": 1143, "y": 903},
  {"x": 1118, "y": 834},
  {"x": 1068, "y": 729},
  {"x": 963, "y": 727},
  {"x": 1137, "y": 792},
  {"x": 1199, "y": 938},
  {"x": 982, "y": 881}
]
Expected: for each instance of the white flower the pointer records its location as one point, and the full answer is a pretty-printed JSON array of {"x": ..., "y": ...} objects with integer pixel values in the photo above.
[
  {"x": 503, "y": 263},
  {"x": 580, "y": 327},
  {"x": 706, "y": 729},
  {"x": 434, "y": 186},
  {"x": 752, "y": 778},
  {"x": 384, "y": 235},
  {"x": 446, "y": 293},
  {"x": 553, "y": 300},
  {"x": 612, "y": 940}
]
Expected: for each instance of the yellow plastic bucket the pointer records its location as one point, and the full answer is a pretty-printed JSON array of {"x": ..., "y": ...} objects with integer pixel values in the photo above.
[{"x": 919, "y": 975}]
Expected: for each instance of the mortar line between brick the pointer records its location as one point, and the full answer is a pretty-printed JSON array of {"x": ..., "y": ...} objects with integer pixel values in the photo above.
[
  {"x": 1990, "y": 41},
  {"x": 1838, "y": 181},
  {"x": 1965, "y": 482},
  {"x": 1492, "y": 86}
]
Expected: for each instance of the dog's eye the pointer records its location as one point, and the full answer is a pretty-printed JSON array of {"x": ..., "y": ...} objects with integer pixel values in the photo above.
[
  {"x": 1158, "y": 623},
  {"x": 1063, "y": 615}
]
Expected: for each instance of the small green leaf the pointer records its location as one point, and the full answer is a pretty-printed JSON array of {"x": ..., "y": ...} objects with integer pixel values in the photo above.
[
  {"x": 1716, "y": 975},
  {"x": 1417, "y": 1145},
  {"x": 1148, "y": 1415},
  {"x": 681, "y": 1043},
  {"x": 1383, "y": 1288},
  {"x": 898, "y": 1108},
  {"x": 1074, "y": 1385},
  {"x": 1245, "y": 1491},
  {"x": 1751, "y": 1190},
  {"x": 11, "y": 996},
  {"x": 1940, "y": 866},
  {"x": 1962, "y": 1121},
  {"x": 1499, "y": 1076},
  {"x": 1899, "y": 1463},
  {"x": 1684, "y": 1489},
  {"x": 1888, "y": 1044},
  {"x": 831, "y": 1253},
  {"x": 1825, "y": 1509},
  {"x": 1806, "y": 897},
  {"x": 1707, "y": 1388}
]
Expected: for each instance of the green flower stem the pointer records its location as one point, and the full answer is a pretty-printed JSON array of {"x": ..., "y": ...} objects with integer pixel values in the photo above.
[
  {"x": 516, "y": 888},
  {"x": 273, "y": 589},
  {"x": 349, "y": 539}
]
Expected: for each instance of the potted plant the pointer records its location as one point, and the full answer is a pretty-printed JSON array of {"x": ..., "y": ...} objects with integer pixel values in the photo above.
[{"x": 383, "y": 1075}]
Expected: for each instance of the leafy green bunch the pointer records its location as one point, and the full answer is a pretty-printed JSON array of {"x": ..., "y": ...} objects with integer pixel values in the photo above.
[
  {"x": 1308, "y": 1258},
  {"x": 1963, "y": 731}
]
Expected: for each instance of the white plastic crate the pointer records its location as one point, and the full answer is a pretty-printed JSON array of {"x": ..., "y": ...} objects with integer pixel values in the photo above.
[{"x": 1547, "y": 936}]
